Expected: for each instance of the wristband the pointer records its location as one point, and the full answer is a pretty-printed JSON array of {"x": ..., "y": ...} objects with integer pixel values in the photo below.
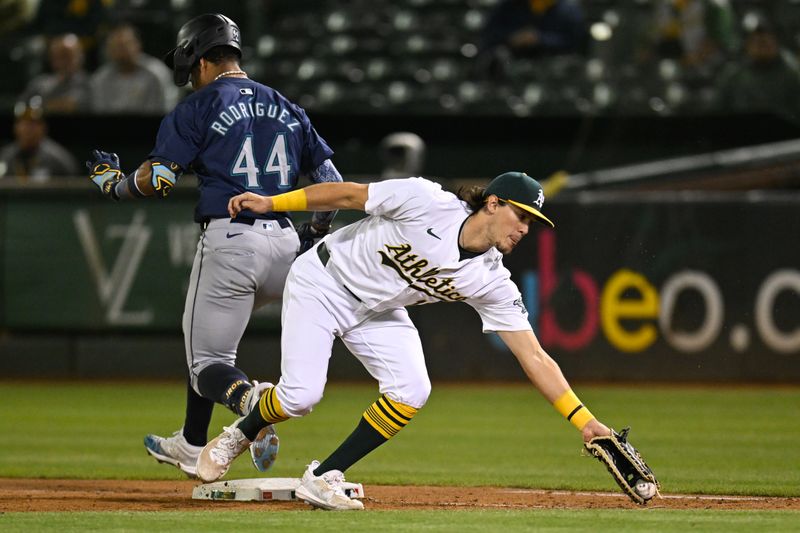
[
  {"x": 290, "y": 201},
  {"x": 126, "y": 188},
  {"x": 572, "y": 409}
]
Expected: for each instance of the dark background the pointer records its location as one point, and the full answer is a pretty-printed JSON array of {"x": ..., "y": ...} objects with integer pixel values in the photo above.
[{"x": 736, "y": 239}]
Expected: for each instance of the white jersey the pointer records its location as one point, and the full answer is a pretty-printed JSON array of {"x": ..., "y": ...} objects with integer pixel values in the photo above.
[{"x": 406, "y": 253}]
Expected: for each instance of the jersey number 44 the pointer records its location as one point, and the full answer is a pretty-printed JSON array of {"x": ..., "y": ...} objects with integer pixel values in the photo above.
[{"x": 277, "y": 163}]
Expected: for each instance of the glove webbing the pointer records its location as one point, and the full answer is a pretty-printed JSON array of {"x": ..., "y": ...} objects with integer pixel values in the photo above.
[{"x": 619, "y": 455}]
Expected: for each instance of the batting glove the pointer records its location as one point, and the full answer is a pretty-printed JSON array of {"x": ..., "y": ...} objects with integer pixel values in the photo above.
[
  {"x": 309, "y": 235},
  {"x": 105, "y": 172}
]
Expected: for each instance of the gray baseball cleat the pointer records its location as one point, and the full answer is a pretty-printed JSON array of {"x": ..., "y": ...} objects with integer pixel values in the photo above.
[
  {"x": 325, "y": 491},
  {"x": 175, "y": 451},
  {"x": 216, "y": 457},
  {"x": 263, "y": 450}
]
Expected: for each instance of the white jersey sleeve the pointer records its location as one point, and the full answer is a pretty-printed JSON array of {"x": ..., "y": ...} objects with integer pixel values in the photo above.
[
  {"x": 401, "y": 199},
  {"x": 500, "y": 307}
]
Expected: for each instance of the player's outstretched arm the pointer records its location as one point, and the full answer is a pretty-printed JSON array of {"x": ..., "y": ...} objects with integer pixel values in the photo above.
[
  {"x": 317, "y": 197},
  {"x": 547, "y": 377},
  {"x": 622, "y": 460}
]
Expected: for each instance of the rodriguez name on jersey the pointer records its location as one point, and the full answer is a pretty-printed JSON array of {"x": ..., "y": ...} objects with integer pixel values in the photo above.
[{"x": 242, "y": 110}]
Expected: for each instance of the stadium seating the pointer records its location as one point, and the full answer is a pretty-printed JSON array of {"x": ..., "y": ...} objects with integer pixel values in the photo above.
[{"x": 420, "y": 56}]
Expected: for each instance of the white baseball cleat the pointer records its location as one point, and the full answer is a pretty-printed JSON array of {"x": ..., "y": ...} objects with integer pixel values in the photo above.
[
  {"x": 325, "y": 491},
  {"x": 263, "y": 450},
  {"x": 254, "y": 394},
  {"x": 175, "y": 451},
  {"x": 216, "y": 458}
]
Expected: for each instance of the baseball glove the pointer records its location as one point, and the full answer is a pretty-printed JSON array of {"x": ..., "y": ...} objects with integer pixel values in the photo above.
[
  {"x": 308, "y": 236},
  {"x": 626, "y": 465}
]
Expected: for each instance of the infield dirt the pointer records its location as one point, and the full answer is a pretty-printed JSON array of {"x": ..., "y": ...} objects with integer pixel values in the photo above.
[{"x": 47, "y": 495}]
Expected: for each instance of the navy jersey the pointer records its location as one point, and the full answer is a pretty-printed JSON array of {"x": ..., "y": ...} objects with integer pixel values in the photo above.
[{"x": 238, "y": 135}]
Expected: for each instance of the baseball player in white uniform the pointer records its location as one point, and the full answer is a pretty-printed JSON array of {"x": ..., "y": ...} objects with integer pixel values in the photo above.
[{"x": 419, "y": 245}]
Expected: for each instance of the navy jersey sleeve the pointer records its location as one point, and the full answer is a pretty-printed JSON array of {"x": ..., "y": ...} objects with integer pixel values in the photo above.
[
  {"x": 179, "y": 139},
  {"x": 315, "y": 149}
]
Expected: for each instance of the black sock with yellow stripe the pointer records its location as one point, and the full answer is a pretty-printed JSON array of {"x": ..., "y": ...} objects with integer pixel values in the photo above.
[
  {"x": 380, "y": 422},
  {"x": 268, "y": 411},
  {"x": 223, "y": 383}
]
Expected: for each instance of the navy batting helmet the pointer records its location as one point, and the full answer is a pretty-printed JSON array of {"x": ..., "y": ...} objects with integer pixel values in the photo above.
[{"x": 197, "y": 37}]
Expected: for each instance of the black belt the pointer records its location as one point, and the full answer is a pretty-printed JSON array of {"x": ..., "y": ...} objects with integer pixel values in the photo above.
[
  {"x": 324, "y": 257},
  {"x": 323, "y": 253},
  {"x": 282, "y": 221}
]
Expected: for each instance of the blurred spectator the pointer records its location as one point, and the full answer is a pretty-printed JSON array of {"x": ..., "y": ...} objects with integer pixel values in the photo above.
[
  {"x": 131, "y": 81},
  {"x": 403, "y": 155},
  {"x": 700, "y": 33},
  {"x": 766, "y": 79},
  {"x": 532, "y": 28},
  {"x": 33, "y": 157},
  {"x": 84, "y": 18},
  {"x": 66, "y": 89}
]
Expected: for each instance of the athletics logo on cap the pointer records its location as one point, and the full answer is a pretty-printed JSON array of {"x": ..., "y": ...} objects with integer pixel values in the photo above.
[
  {"x": 540, "y": 199},
  {"x": 521, "y": 190}
]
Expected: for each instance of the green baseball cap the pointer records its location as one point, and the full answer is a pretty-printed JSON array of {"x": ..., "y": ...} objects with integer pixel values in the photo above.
[{"x": 521, "y": 190}]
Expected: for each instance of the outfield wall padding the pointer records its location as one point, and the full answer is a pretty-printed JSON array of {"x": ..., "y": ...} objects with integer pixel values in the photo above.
[{"x": 667, "y": 286}]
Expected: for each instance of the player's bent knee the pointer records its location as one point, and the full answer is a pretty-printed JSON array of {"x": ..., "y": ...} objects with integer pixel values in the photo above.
[
  {"x": 419, "y": 399},
  {"x": 298, "y": 401},
  {"x": 414, "y": 395}
]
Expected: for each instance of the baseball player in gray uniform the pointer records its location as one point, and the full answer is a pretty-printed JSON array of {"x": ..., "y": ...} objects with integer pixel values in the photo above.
[
  {"x": 419, "y": 245},
  {"x": 236, "y": 135}
]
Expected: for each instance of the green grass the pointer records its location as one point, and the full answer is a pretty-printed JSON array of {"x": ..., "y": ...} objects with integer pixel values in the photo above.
[
  {"x": 459, "y": 521},
  {"x": 714, "y": 441}
]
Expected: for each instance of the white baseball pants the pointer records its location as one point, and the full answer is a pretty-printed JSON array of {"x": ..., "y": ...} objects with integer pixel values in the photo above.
[{"x": 316, "y": 309}]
